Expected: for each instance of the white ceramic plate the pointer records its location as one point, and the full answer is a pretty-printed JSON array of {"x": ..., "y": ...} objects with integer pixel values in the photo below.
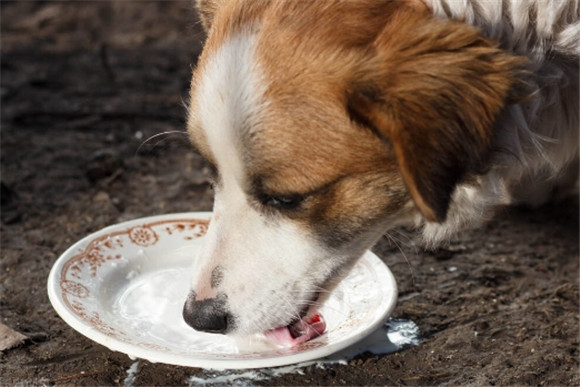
[{"x": 124, "y": 287}]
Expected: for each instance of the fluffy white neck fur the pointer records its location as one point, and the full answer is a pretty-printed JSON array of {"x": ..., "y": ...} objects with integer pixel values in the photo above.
[{"x": 537, "y": 140}]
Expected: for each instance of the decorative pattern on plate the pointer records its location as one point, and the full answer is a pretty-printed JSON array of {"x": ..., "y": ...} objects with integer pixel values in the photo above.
[
  {"x": 143, "y": 236},
  {"x": 109, "y": 247}
]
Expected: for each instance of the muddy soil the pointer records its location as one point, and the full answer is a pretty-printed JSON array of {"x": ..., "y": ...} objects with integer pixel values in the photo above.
[{"x": 92, "y": 134}]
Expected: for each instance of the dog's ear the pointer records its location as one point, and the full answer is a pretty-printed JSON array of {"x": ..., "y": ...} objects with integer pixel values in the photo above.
[
  {"x": 433, "y": 89},
  {"x": 207, "y": 10}
]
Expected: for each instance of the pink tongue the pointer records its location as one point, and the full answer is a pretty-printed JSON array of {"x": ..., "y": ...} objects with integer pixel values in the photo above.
[{"x": 298, "y": 333}]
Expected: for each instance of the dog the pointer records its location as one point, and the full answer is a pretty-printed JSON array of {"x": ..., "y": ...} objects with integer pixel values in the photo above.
[{"x": 327, "y": 123}]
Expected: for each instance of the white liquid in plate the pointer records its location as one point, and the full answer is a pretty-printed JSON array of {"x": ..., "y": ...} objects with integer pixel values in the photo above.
[{"x": 149, "y": 293}]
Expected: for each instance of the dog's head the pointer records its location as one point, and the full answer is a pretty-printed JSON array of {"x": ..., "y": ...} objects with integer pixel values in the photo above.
[{"x": 327, "y": 123}]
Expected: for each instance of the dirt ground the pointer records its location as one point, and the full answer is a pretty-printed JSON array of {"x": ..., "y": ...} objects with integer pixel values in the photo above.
[{"x": 86, "y": 86}]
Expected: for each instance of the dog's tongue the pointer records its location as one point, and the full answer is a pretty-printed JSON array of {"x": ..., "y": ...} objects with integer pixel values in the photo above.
[{"x": 299, "y": 332}]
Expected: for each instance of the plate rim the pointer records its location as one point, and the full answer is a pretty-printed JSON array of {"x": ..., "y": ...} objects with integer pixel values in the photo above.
[{"x": 157, "y": 356}]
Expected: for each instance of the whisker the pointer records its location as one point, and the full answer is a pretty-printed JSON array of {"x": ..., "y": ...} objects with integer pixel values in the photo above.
[
  {"x": 410, "y": 243},
  {"x": 388, "y": 235},
  {"x": 185, "y": 106},
  {"x": 326, "y": 306},
  {"x": 294, "y": 314},
  {"x": 319, "y": 289},
  {"x": 317, "y": 304},
  {"x": 151, "y": 138},
  {"x": 322, "y": 290},
  {"x": 284, "y": 298}
]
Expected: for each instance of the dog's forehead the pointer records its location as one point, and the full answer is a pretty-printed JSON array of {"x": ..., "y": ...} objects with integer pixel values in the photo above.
[
  {"x": 297, "y": 131},
  {"x": 225, "y": 99}
]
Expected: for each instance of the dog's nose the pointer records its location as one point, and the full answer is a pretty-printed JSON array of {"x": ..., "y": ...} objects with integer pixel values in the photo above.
[{"x": 208, "y": 315}]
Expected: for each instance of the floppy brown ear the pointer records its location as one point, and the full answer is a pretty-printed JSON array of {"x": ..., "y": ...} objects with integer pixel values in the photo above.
[
  {"x": 207, "y": 10},
  {"x": 433, "y": 89}
]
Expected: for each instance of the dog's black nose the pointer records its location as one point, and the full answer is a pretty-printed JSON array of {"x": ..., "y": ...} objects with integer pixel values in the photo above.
[{"x": 208, "y": 315}]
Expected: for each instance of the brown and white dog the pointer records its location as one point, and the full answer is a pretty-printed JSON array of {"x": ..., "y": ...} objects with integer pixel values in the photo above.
[{"x": 329, "y": 122}]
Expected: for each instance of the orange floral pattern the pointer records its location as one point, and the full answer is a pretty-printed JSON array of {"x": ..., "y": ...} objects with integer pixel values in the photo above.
[
  {"x": 86, "y": 264},
  {"x": 143, "y": 236},
  {"x": 75, "y": 289}
]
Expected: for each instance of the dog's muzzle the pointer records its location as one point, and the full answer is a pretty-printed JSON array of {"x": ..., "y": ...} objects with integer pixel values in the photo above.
[
  {"x": 208, "y": 315},
  {"x": 211, "y": 315}
]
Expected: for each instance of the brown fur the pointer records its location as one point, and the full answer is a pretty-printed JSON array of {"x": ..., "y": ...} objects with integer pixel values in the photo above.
[
  {"x": 434, "y": 89},
  {"x": 389, "y": 82},
  {"x": 206, "y": 9}
]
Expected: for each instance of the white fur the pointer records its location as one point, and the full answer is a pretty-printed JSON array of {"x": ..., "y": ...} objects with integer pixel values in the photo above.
[
  {"x": 539, "y": 138},
  {"x": 269, "y": 264}
]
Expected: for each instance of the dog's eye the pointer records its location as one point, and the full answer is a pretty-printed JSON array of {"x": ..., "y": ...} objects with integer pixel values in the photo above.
[{"x": 283, "y": 202}]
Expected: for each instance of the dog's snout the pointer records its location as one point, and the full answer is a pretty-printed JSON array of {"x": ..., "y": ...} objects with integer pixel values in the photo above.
[{"x": 208, "y": 315}]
